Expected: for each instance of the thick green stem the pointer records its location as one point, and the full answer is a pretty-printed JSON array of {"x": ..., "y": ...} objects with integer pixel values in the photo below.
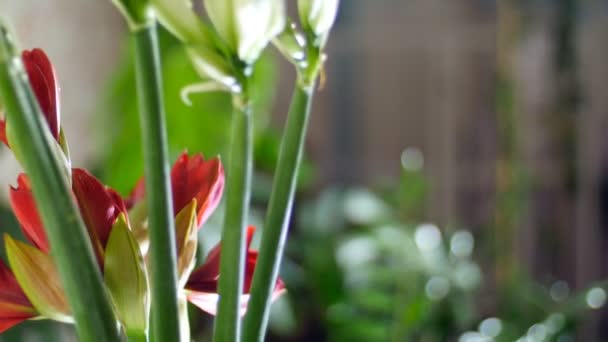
[
  {"x": 70, "y": 244},
  {"x": 277, "y": 218},
  {"x": 238, "y": 185},
  {"x": 165, "y": 324}
]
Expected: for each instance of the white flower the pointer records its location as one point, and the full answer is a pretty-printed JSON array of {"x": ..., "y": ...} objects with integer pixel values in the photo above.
[
  {"x": 179, "y": 18},
  {"x": 247, "y": 26},
  {"x": 318, "y": 16}
]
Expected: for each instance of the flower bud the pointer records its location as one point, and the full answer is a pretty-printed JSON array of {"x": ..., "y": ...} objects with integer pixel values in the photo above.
[
  {"x": 292, "y": 44},
  {"x": 318, "y": 16},
  {"x": 209, "y": 64},
  {"x": 181, "y": 20},
  {"x": 247, "y": 26},
  {"x": 41, "y": 74},
  {"x": 45, "y": 88}
]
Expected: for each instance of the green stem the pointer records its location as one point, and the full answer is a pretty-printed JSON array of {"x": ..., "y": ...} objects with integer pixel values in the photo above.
[
  {"x": 70, "y": 244},
  {"x": 238, "y": 185},
  {"x": 277, "y": 218},
  {"x": 165, "y": 324},
  {"x": 136, "y": 336}
]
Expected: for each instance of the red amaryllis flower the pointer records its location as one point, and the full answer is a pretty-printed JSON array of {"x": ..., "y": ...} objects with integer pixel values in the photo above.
[
  {"x": 191, "y": 178},
  {"x": 99, "y": 207},
  {"x": 24, "y": 207},
  {"x": 14, "y": 305},
  {"x": 202, "y": 290},
  {"x": 35, "y": 278},
  {"x": 3, "y": 132},
  {"x": 42, "y": 78}
]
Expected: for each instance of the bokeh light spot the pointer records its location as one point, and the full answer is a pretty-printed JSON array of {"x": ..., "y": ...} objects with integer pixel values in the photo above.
[
  {"x": 412, "y": 159},
  {"x": 462, "y": 243},
  {"x": 428, "y": 237},
  {"x": 596, "y": 298},
  {"x": 437, "y": 288},
  {"x": 490, "y": 327}
]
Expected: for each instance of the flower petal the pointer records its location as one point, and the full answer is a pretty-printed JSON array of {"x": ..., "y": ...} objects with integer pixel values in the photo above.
[
  {"x": 205, "y": 278},
  {"x": 202, "y": 286},
  {"x": 186, "y": 239},
  {"x": 126, "y": 278},
  {"x": 197, "y": 178},
  {"x": 14, "y": 305},
  {"x": 191, "y": 178},
  {"x": 42, "y": 78},
  {"x": 24, "y": 207},
  {"x": 99, "y": 207},
  {"x": 3, "y": 132},
  {"x": 137, "y": 194},
  {"x": 38, "y": 277}
]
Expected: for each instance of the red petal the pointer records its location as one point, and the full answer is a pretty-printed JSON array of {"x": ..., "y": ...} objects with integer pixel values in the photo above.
[
  {"x": 99, "y": 206},
  {"x": 205, "y": 278},
  {"x": 3, "y": 132},
  {"x": 14, "y": 305},
  {"x": 191, "y": 178},
  {"x": 202, "y": 285},
  {"x": 137, "y": 194},
  {"x": 42, "y": 78},
  {"x": 118, "y": 201},
  {"x": 197, "y": 178},
  {"x": 24, "y": 207}
]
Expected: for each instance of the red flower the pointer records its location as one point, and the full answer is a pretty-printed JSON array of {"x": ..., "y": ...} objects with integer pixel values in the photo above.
[
  {"x": 24, "y": 207},
  {"x": 42, "y": 78},
  {"x": 14, "y": 305},
  {"x": 3, "y": 132},
  {"x": 202, "y": 289},
  {"x": 99, "y": 207},
  {"x": 191, "y": 178}
]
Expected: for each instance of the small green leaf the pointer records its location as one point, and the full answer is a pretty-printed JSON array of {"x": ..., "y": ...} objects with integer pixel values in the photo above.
[
  {"x": 186, "y": 238},
  {"x": 37, "y": 275},
  {"x": 126, "y": 278}
]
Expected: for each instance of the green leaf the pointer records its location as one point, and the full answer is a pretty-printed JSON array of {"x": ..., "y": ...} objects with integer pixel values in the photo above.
[
  {"x": 126, "y": 278},
  {"x": 186, "y": 238},
  {"x": 37, "y": 275}
]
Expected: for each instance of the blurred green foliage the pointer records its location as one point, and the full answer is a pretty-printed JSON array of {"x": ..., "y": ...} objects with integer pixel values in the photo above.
[{"x": 364, "y": 267}]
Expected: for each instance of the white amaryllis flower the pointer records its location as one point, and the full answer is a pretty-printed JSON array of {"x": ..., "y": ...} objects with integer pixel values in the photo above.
[
  {"x": 181, "y": 20},
  {"x": 247, "y": 26},
  {"x": 318, "y": 16}
]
